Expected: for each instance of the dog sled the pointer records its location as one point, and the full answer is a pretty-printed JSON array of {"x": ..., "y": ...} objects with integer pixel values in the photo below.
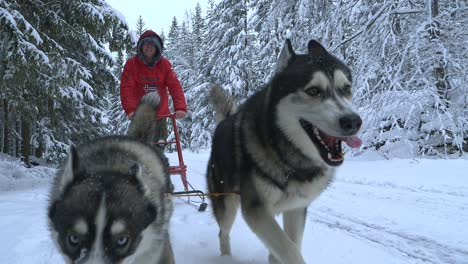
[{"x": 181, "y": 167}]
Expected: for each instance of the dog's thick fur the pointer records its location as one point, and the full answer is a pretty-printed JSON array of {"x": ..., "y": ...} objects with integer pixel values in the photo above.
[
  {"x": 109, "y": 202},
  {"x": 280, "y": 149}
]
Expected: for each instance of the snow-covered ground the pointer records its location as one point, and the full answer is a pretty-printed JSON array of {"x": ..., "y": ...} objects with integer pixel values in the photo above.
[{"x": 377, "y": 211}]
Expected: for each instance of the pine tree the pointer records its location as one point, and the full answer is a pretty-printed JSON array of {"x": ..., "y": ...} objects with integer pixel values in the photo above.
[
  {"x": 173, "y": 32},
  {"x": 198, "y": 26},
  {"x": 227, "y": 48},
  {"x": 269, "y": 41},
  {"x": 56, "y": 68},
  {"x": 181, "y": 52},
  {"x": 140, "y": 26}
]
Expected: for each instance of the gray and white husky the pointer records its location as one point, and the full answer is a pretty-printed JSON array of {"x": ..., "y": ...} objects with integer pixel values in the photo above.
[
  {"x": 109, "y": 202},
  {"x": 279, "y": 151}
]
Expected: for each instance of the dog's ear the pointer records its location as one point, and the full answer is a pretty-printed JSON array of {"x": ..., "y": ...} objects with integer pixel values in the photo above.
[
  {"x": 285, "y": 56},
  {"x": 316, "y": 49},
  {"x": 69, "y": 171}
]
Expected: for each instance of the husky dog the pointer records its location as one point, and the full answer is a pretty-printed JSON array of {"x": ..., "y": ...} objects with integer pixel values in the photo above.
[
  {"x": 109, "y": 202},
  {"x": 279, "y": 151}
]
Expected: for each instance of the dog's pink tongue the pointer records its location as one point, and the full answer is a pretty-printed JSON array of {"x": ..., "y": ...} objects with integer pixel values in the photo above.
[{"x": 353, "y": 142}]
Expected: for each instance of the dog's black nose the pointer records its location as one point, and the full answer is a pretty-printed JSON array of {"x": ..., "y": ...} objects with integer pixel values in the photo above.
[{"x": 350, "y": 123}]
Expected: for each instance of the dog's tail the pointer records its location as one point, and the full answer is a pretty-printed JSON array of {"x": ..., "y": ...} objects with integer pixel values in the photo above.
[
  {"x": 222, "y": 102},
  {"x": 143, "y": 124}
]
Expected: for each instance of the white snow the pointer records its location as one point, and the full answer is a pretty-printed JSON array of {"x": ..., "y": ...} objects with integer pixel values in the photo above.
[{"x": 399, "y": 211}]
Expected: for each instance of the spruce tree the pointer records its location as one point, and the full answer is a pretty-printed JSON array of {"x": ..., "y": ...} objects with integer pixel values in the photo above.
[
  {"x": 56, "y": 69},
  {"x": 173, "y": 32},
  {"x": 140, "y": 26},
  {"x": 227, "y": 47},
  {"x": 198, "y": 26}
]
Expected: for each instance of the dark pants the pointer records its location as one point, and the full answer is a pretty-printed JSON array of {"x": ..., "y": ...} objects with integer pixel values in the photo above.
[{"x": 161, "y": 132}]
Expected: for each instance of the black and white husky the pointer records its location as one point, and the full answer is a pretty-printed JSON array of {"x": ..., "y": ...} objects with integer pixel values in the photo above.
[
  {"x": 109, "y": 202},
  {"x": 279, "y": 151}
]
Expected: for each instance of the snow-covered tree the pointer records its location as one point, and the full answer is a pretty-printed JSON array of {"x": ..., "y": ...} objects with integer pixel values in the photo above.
[
  {"x": 140, "y": 26},
  {"x": 406, "y": 60},
  {"x": 221, "y": 56},
  {"x": 198, "y": 26},
  {"x": 173, "y": 32},
  {"x": 226, "y": 47},
  {"x": 55, "y": 70},
  {"x": 397, "y": 55}
]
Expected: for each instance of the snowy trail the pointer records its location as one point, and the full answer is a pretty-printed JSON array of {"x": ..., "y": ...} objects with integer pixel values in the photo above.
[
  {"x": 418, "y": 248},
  {"x": 368, "y": 215},
  {"x": 389, "y": 217}
]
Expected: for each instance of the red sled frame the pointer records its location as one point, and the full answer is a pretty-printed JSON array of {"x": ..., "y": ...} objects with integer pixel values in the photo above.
[{"x": 181, "y": 168}]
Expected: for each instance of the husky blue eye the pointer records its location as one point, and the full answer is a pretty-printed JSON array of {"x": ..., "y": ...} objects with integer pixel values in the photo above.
[
  {"x": 73, "y": 240},
  {"x": 122, "y": 241}
]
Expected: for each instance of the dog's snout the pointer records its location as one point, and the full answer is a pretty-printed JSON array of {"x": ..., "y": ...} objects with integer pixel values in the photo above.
[{"x": 350, "y": 123}]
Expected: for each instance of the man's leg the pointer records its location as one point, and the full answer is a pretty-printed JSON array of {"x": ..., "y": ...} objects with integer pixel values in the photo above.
[{"x": 161, "y": 133}]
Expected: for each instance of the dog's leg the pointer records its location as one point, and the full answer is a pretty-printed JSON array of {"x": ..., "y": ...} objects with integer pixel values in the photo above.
[
  {"x": 225, "y": 210},
  {"x": 168, "y": 254},
  {"x": 272, "y": 259},
  {"x": 294, "y": 224},
  {"x": 264, "y": 225}
]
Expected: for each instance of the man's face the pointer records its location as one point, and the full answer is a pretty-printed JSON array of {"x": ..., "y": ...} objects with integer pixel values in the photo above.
[{"x": 149, "y": 50}]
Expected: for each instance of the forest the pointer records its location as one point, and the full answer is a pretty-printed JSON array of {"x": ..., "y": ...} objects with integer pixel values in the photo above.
[{"x": 60, "y": 65}]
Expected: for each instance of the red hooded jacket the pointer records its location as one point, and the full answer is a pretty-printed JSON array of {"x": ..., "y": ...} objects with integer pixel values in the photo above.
[{"x": 139, "y": 78}]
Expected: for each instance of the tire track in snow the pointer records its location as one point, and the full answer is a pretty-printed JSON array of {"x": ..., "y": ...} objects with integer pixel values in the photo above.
[
  {"x": 419, "y": 248},
  {"x": 451, "y": 191}
]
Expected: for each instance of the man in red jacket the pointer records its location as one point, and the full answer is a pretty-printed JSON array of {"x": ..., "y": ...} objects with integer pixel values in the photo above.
[{"x": 150, "y": 71}]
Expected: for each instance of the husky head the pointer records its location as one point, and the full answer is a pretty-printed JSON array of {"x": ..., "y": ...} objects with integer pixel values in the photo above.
[
  {"x": 314, "y": 108},
  {"x": 103, "y": 216}
]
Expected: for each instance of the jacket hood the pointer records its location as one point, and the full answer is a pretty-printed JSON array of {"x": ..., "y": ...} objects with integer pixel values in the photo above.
[{"x": 155, "y": 39}]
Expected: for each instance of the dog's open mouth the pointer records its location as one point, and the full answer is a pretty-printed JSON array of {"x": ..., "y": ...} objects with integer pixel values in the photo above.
[{"x": 329, "y": 146}]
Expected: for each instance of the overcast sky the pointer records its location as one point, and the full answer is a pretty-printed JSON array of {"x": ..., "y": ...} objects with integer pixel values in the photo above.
[{"x": 157, "y": 14}]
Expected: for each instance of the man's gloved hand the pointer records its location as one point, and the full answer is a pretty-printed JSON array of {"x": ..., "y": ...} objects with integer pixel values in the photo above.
[{"x": 180, "y": 114}]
